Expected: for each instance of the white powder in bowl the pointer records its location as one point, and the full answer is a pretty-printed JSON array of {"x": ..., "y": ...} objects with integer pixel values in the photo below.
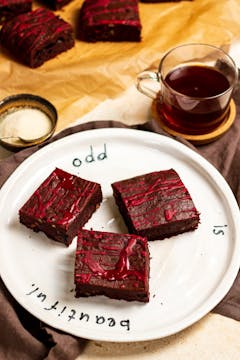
[{"x": 28, "y": 123}]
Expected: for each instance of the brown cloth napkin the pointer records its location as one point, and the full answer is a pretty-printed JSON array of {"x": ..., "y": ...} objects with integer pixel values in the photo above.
[{"x": 27, "y": 338}]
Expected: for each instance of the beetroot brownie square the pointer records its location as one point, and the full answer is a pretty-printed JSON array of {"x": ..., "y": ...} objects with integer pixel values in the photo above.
[
  {"x": 37, "y": 36},
  {"x": 11, "y": 8},
  {"x": 61, "y": 205},
  {"x": 156, "y": 205},
  {"x": 114, "y": 265},
  {"x": 109, "y": 20}
]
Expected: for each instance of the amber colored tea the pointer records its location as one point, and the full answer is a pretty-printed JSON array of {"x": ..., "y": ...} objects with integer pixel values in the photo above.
[{"x": 189, "y": 104}]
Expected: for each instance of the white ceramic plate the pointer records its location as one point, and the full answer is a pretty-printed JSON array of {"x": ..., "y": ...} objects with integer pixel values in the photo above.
[{"x": 190, "y": 273}]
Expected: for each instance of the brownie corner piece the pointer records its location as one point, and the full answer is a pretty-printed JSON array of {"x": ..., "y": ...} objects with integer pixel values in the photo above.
[
  {"x": 111, "y": 264},
  {"x": 156, "y": 205},
  {"x": 105, "y": 20},
  {"x": 36, "y": 36},
  {"x": 11, "y": 8},
  {"x": 61, "y": 205}
]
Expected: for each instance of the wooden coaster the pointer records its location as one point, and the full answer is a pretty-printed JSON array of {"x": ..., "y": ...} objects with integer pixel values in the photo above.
[{"x": 198, "y": 139}]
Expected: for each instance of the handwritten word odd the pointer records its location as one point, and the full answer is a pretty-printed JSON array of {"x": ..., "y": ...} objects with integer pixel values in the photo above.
[{"x": 91, "y": 157}]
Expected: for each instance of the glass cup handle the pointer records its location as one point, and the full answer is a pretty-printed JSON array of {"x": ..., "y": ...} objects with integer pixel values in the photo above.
[{"x": 148, "y": 77}]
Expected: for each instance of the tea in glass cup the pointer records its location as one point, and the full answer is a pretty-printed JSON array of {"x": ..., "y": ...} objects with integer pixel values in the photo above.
[{"x": 196, "y": 84}]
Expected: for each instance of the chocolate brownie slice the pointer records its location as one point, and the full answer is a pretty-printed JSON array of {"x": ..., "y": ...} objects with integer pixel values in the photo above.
[
  {"x": 109, "y": 20},
  {"x": 37, "y": 36},
  {"x": 156, "y": 205},
  {"x": 61, "y": 205},
  {"x": 110, "y": 264},
  {"x": 11, "y": 8}
]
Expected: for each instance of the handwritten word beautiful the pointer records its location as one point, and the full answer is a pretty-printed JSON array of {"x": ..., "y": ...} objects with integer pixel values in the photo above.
[{"x": 70, "y": 314}]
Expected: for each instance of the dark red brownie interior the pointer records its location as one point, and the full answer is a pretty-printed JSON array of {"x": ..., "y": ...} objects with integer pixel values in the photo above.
[
  {"x": 114, "y": 265},
  {"x": 109, "y": 20},
  {"x": 37, "y": 36},
  {"x": 11, "y": 8},
  {"x": 61, "y": 205},
  {"x": 156, "y": 205}
]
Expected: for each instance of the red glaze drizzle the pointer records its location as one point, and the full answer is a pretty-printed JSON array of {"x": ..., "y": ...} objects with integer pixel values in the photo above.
[
  {"x": 28, "y": 33},
  {"x": 93, "y": 262},
  {"x": 155, "y": 198},
  {"x": 60, "y": 198},
  {"x": 100, "y": 12}
]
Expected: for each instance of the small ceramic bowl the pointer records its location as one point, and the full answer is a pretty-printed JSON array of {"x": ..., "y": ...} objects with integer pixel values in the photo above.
[{"x": 13, "y": 104}]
